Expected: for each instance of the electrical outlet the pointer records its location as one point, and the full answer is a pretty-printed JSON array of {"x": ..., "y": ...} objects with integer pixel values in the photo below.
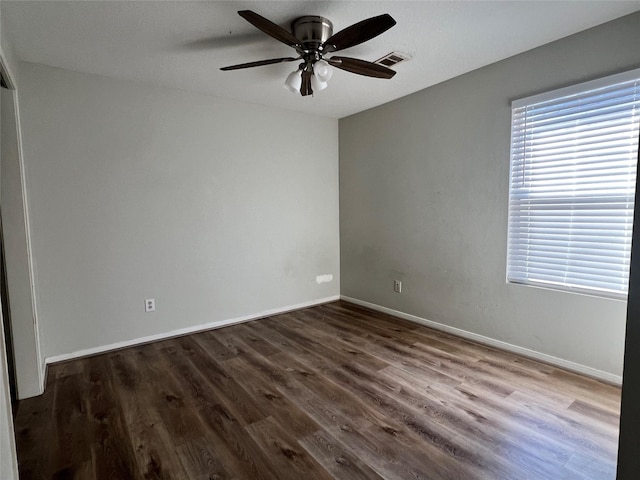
[
  {"x": 150, "y": 305},
  {"x": 397, "y": 286}
]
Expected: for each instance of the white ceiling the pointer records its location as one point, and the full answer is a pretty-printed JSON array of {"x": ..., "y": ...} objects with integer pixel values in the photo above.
[{"x": 183, "y": 44}]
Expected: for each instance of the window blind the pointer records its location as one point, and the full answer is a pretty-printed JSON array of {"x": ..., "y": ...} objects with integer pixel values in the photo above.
[{"x": 574, "y": 155}]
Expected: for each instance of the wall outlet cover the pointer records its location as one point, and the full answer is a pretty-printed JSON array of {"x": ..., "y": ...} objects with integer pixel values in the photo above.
[{"x": 150, "y": 305}]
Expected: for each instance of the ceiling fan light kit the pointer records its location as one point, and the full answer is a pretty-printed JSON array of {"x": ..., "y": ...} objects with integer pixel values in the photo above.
[
  {"x": 312, "y": 37},
  {"x": 317, "y": 84},
  {"x": 322, "y": 70},
  {"x": 293, "y": 81}
]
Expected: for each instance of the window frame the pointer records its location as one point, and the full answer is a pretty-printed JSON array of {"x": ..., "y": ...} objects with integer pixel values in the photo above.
[{"x": 577, "y": 89}]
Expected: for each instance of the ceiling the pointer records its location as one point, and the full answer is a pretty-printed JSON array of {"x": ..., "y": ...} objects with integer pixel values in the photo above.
[{"x": 183, "y": 44}]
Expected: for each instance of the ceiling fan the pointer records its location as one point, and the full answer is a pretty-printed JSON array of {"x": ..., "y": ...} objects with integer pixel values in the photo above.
[{"x": 312, "y": 37}]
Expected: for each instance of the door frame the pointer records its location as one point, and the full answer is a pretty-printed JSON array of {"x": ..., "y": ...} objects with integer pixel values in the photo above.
[{"x": 12, "y": 86}]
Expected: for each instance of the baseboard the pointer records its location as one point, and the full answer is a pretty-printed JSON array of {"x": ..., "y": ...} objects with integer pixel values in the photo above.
[
  {"x": 43, "y": 375},
  {"x": 491, "y": 342},
  {"x": 185, "y": 331}
]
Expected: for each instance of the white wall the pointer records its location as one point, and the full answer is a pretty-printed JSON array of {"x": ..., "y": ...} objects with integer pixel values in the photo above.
[
  {"x": 14, "y": 225},
  {"x": 8, "y": 457},
  {"x": 424, "y": 194},
  {"x": 217, "y": 209}
]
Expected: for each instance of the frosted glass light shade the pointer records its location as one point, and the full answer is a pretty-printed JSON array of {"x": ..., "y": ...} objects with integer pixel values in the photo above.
[
  {"x": 322, "y": 70},
  {"x": 293, "y": 81},
  {"x": 317, "y": 84}
]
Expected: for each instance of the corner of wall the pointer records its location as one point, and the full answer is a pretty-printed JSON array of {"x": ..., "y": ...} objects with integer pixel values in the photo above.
[
  {"x": 9, "y": 66},
  {"x": 7, "y": 57},
  {"x": 603, "y": 376}
]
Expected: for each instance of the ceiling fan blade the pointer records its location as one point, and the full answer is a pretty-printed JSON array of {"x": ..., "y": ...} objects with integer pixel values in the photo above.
[
  {"x": 259, "y": 63},
  {"x": 270, "y": 28},
  {"x": 359, "y": 32},
  {"x": 305, "y": 88},
  {"x": 361, "y": 67}
]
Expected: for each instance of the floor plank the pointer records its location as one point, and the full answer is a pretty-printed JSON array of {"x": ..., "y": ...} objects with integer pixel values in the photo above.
[{"x": 330, "y": 392}]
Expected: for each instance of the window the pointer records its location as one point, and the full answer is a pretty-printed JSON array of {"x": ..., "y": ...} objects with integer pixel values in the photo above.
[{"x": 574, "y": 155}]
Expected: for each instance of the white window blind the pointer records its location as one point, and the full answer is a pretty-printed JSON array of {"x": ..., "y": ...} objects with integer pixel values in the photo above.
[{"x": 574, "y": 155}]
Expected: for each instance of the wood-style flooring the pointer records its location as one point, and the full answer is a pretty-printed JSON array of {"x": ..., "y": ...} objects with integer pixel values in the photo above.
[{"x": 334, "y": 391}]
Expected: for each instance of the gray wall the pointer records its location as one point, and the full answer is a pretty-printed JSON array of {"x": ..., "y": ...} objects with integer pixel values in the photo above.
[
  {"x": 217, "y": 209},
  {"x": 424, "y": 196}
]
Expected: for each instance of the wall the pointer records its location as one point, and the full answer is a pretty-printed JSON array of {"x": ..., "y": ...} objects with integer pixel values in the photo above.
[
  {"x": 424, "y": 195},
  {"x": 217, "y": 209},
  {"x": 8, "y": 457},
  {"x": 629, "y": 449},
  {"x": 14, "y": 229}
]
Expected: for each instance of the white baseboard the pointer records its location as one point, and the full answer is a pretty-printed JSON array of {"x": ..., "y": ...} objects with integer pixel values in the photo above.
[
  {"x": 43, "y": 374},
  {"x": 185, "y": 331},
  {"x": 525, "y": 352}
]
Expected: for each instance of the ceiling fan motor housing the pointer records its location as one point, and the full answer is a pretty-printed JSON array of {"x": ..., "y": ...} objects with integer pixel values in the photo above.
[{"x": 312, "y": 31}]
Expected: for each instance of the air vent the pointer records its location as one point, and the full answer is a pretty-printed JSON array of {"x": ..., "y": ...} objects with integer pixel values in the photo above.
[{"x": 391, "y": 59}]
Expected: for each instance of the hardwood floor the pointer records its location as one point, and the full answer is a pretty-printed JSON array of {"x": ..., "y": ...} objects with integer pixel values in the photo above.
[{"x": 334, "y": 391}]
